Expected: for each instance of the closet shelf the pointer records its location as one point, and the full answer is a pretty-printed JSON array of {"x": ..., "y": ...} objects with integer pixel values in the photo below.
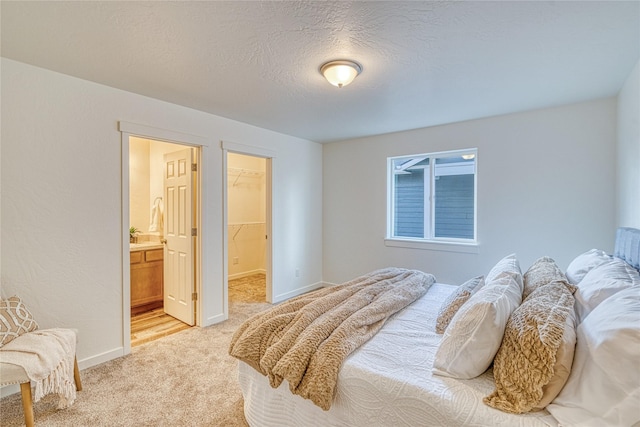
[
  {"x": 241, "y": 225},
  {"x": 238, "y": 173}
]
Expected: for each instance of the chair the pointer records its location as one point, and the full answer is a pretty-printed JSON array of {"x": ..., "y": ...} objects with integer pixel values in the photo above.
[{"x": 45, "y": 356}]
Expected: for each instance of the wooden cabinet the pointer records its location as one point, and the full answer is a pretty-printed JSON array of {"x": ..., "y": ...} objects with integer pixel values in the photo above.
[{"x": 147, "y": 286}]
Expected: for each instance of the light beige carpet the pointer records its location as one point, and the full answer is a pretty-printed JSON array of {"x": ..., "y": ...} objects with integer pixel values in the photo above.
[
  {"x": 185, "y": 379},
  {"x": 249, "y": 289}
]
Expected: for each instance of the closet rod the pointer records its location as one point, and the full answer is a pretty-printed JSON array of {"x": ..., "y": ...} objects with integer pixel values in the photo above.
[
  {"x": 240, "y": 172},
  {"x": 241, "y": 225}
]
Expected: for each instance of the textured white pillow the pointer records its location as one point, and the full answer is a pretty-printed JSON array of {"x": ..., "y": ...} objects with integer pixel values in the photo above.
[
  {"x": 604, "y": 385},
  {"x": 602, "y": 282},
  {"x": 507, "y": 265},
  {"x": 474, "y": 335},
  {"x": 584, "y": 263},
  {"x": 455, "y": 300}
]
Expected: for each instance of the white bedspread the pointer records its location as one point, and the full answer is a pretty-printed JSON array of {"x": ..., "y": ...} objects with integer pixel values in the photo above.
[{"x": 388, "y": 382}]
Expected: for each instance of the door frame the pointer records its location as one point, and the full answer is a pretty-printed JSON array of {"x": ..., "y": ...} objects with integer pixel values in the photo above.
[
  {"x": 128, "y": 130},
  {"x": 270, "y": 157}
]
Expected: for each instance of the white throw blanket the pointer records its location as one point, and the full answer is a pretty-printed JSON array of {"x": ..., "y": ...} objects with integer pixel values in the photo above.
[{"x": 47, "y": 355}]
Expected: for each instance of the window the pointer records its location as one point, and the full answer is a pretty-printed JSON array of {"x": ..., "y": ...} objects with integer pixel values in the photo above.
[{"x": 432, "y": 197}]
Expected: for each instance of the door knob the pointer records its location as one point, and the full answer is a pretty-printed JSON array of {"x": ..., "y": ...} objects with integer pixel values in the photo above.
[{"x": 163, "y": 241}]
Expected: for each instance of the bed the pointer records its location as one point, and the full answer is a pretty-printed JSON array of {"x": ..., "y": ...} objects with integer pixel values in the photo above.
[{"x": 392, "y": 380}]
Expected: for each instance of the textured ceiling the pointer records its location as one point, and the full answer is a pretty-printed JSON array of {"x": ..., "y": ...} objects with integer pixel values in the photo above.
[{"x": 425, "y": 63}]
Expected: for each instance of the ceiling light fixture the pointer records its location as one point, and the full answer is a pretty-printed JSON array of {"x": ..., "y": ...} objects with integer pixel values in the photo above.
[{"x": 340, "y": 73}]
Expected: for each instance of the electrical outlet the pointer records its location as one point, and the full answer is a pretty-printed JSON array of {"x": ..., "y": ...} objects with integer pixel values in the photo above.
[
  {"x": 297, "y": 272},
  {"x": 236, "y": 260}
]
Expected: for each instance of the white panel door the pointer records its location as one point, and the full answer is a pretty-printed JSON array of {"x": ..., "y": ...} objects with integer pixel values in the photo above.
[{"x": 178, "y": 249}]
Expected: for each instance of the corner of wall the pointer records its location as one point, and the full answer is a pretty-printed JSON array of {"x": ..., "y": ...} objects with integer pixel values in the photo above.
[{"x": 628, "y": 152}]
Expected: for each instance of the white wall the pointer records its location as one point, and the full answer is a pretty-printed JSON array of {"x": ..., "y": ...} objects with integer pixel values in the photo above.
[
  {"x": 246, "y": 207},
  {"x": 629, "y": 151},
  {"x": 546, "y": 186},
  {"x": 139, "y": 184},
  {"x": 146, "y": 179},
  {"x": 61, "y": 201}
]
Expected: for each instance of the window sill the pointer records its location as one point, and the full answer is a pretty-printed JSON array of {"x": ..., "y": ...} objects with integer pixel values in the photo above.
[{"x": 433, "y": 245}]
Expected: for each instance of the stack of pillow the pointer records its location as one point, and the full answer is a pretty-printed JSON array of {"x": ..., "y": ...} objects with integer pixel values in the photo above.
[
  {"x": 473, "y": 336},
  {"x": 528, "y": 324},
  {"x": 604, "y": 385}
]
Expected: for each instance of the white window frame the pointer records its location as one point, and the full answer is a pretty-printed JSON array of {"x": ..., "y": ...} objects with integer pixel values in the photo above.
[{"x": 429, "y": 241}]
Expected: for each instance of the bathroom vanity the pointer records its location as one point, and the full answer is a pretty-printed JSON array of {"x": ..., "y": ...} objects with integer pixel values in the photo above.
[{"x": 147, "y": 270}]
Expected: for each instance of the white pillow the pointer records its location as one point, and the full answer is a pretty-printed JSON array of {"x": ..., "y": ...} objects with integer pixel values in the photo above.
[
  {"x": 455, "y": 300},
  {"x": 474, "y": 335},
  {"x": 601, "y": 282},
  {"x": 584, "y": 263},
  {"x": 507, "y": 265},
  {"x": 604, "y": 385}
]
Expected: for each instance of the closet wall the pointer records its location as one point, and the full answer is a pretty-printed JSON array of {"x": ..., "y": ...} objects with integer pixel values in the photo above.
[{"x": 246, "y": 192}]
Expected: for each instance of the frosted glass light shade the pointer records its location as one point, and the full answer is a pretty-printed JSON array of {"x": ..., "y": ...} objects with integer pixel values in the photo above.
[{"x": 340, "y": 73}]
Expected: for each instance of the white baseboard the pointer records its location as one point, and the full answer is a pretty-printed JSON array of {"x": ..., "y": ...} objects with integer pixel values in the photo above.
[
  {"x": 100, "y": 358},
  {"x": 329, "y": 284},
  {"x": 247, "y": 273},
  {"x": 296, "y": 292},
  {"x": 214, "y": 319},
  {"x": 8, "y": 390}
]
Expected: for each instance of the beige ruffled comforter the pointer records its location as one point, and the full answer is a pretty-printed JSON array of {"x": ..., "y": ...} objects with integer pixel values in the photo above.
[{"x": 306, "y": 339}]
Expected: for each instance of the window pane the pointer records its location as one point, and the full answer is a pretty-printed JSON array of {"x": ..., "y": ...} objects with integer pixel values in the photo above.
[
  {"x": 433, "y": 196},
  {"x": 454, "y": 191},
  {"x": 409, "y": 204}
]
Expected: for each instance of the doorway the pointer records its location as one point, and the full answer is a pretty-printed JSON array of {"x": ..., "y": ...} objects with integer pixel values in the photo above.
[
  {"x": 163, "y": 217},
  {"x": 246, "y": 228},
  {"x": 269, "y": 159}
]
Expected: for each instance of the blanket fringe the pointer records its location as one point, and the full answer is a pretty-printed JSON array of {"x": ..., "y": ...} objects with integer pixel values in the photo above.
[{"x": 59, "y": 382}]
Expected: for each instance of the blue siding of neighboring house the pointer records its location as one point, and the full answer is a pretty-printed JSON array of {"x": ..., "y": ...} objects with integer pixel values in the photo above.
[
  {"x": 409, "y": 205},
  {"x": 454, "y": 206}
]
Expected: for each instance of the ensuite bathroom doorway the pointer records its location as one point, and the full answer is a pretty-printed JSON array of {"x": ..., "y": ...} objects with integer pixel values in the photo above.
[
  {"x": 247, "y": 195},
  {"x": 163, "y": 211}
]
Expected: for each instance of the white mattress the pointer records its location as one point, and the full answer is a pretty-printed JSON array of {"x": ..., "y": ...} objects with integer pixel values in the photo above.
[{"x": 388, "y": 382}]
